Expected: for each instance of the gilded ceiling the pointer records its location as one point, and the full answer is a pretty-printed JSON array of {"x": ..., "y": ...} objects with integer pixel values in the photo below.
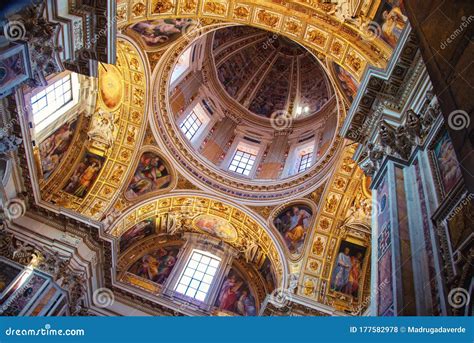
[{"x": 127, "y": 162}]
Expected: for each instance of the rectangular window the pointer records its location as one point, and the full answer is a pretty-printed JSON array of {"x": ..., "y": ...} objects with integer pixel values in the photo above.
[
  {"x": 305, "y": 162},
  {"x": 242, "y": 162},
  {"x": 197, "y": 277},
  {"x": 54, "y": 96},
  {"x": 54, "y": 101},
  {"x": 191, "y": 125}
]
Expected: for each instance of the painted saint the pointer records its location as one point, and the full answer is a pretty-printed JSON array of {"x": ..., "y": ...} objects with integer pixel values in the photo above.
[
  {"x": 217, "y": 227},
  {"x": 151, "y": 175},
  {"x": 293, "y": 223},
  {"x": 390, "y": 16},
  {"x": 160, "y": 32},
  {"x": 348, "y": 269},
  {"x": 136, "y": 233},
  {"x": 53, "y": 148},
  {"x": 447, "y": 162},
  {"x": 235, "y": 296},
  {"x": 84, "y": 175},
  {"x": 156, "y": 266}
]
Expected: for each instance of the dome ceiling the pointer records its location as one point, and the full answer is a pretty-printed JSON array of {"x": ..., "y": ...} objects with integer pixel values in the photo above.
[
  {"x": 248, "y": 109},
  {"x": 268, "y": 73}
]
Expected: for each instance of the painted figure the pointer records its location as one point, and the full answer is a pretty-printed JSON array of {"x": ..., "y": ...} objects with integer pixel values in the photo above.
[
  {"x": 352, "y": 286},
  {"x": 53, "y": 148},
  {"x": 235, "y": 296},
  {"x": 157, "y": 33},
  {"x": 151, "y": 174},
  {"x": 84, "y": 176},
  {"x": 156, "y": 266},
  {"x": 293, "y": 224},
  {"x": 341, "y": 272}
]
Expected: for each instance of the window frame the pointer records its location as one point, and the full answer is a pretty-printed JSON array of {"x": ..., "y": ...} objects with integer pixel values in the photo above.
[
  {"x": 187, "y": 63},
  {"x": 44, "y": 120},
  {"x": 187, "y": 269},
  {"x": 305, "y": 161},
  {"x": 187, "y": 126},
  {"x": 250, "y": 157}
]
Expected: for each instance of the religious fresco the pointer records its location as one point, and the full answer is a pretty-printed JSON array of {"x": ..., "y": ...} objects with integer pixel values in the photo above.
[
  {"x": 447, "y": 163},
  {"x": 347, "y": 83},
  {"x": 217, "y": 227},
  {"x": 347, "y": 270},
  {"x": 235, "y": 295},
  {"x": 392, "y": 20},
  {"x": 266, "y": 272},
  {"x": 110, "y": 85},
  {"x": 137, "y": 232},
  {"x": 293, "y": 222},
  {"x": 84, "y": 175},
  {"x": 54, "y": 147},
  {"x": 157, "y": 265},
  {"x": 158, "y": 33},
  {"x": 152, "y": 174},
  {"x": 8, "y": 274},
  {"x": 273, "y": 93}
]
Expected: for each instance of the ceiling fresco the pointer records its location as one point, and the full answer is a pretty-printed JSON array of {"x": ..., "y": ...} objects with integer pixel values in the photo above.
[
  {"x": 98, "y": 167},
  {"x": 127, "y": 169}
]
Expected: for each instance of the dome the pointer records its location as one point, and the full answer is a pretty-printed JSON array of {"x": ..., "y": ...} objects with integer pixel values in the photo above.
[
  {"x": 268, "y": 73},
  {"x": 249, "y": 112}
]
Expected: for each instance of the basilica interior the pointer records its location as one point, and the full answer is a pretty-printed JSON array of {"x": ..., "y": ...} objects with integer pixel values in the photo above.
[{"x": 236, "y": 158}]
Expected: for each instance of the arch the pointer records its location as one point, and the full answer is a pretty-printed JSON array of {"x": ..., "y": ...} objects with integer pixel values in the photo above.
[
  {"x": 115, "y": 161},
  {"x": 186, "y": 205}
]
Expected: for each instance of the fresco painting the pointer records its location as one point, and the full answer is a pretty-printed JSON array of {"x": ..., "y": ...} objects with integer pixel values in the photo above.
[
  {"x": 156, "y": 266},
  {"x": 84, "y": 175},
  {"x": 447, "y": 163},
  {"x": 235, "y": 296},
  {"x": 216, "y": 226},
  {"x": 54, "y": 147},
  {"x": 293, "y": 224},
  {"x": 152, "y": 174},
  {"x": 348, "y": 268},
  {"x": 137, "y": 232}
]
